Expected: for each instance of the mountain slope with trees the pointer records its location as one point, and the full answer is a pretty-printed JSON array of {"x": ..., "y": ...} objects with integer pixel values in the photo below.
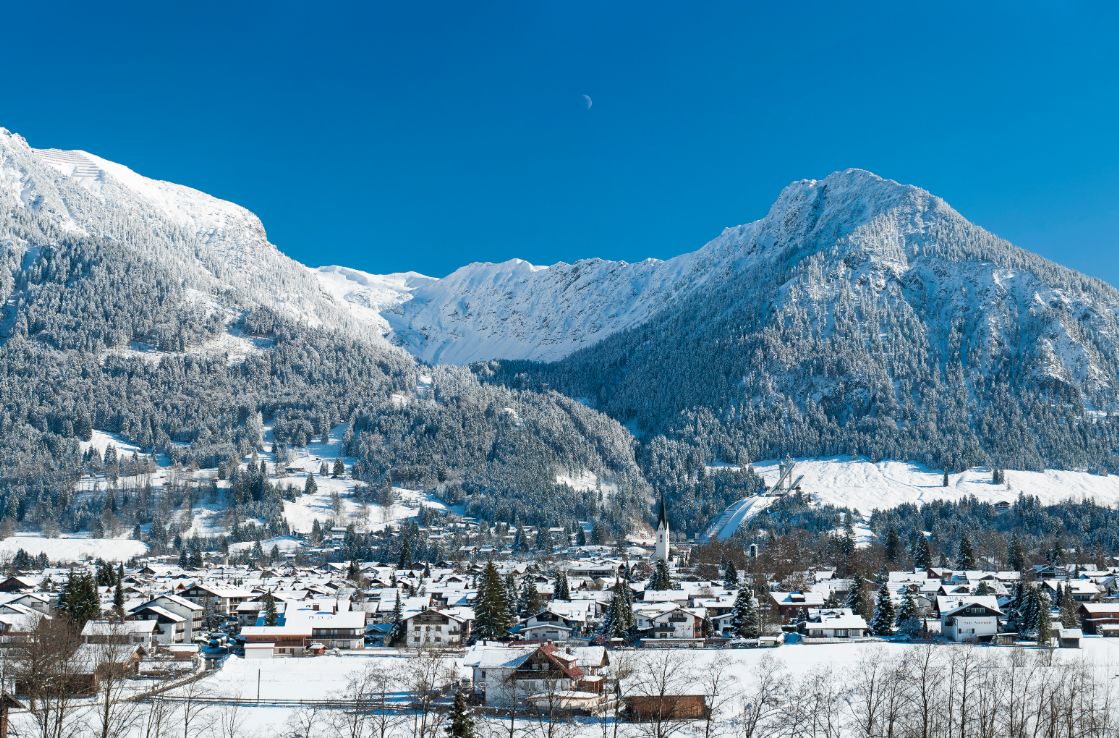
[
  {"x": 164, "y": 315},
  {"x": 860, "y": 317}
]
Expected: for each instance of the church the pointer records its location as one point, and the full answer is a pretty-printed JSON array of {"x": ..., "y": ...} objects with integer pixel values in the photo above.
[{"x": 661, "y": 551}]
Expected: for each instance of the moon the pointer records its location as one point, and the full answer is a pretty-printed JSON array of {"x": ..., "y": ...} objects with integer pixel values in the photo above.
[{"x": 590, "y": 102}]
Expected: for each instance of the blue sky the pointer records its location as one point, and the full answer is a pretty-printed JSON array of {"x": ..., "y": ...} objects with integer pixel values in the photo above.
[{"x": 425, "y": 135}]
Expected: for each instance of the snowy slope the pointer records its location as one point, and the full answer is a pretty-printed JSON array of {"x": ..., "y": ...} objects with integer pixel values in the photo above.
[
  {"x": 852, "y": 232},
  {"x": 515, "y": 310},
  {"x": 218, "y": 250},
  {"x": 865, "y": 485},
  {"x": 368, "y": 296}
]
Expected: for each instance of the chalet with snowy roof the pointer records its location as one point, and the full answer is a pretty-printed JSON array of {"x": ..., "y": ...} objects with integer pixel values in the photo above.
[
  {"x": 38, "y": 601},
  {"x": 548, "y": 625},
  {"x": 216, "y": 598},
  {"x": 191, "y": 612},
  {"x": 170, "y": 628},
  {"x": 969, "y": 618},
  {"x": 17, "y": 622},
  {"x": 668, "y": 621},
  {"x": 136, "y": 632},
  {"x": 20, "y": 584},
  {"x": 438, "y": 627},
  {"x": 303, "y": 631},
  {"x": 793, "y": 605},
  {"x": 839, "y": 622},
  {"x": 1081, "y": 590},
  {"x": 508, "y": 675},
  {"x": 1100, "y": 618}
]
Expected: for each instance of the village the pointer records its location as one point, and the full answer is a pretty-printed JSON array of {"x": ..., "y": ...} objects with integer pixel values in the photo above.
[{"x": 587, "y": 634}]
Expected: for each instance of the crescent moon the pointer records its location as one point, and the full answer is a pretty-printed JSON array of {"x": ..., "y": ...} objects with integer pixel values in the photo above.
[{"x": 590, "y": 102}]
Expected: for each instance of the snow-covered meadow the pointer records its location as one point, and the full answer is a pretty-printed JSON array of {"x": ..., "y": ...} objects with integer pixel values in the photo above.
[{"x": 284, "y": 681}]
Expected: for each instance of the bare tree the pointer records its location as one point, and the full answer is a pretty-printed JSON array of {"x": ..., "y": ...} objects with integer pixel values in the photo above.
[
  {"x": 193, "y": 712},
  {"x": 114, "y": 714},
  {"x": 550, "y": 716},
  {"x": 155, "y": 721},
  {"x": 305, "y": 723},
  {"x": 369, "y": 715},
  {"x": 662, "y": 684},
  {"x": 719, "y": 693},
  {"x": 763, "y": 702},
  {"x": 426, "y": 676},
  {"x": 815, "y": 713},
  {"x": 229, "y": 721},
  {"x": 46, "y": 674}
]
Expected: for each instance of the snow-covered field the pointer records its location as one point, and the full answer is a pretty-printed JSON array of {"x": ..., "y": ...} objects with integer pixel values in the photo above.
[
  {"x": 865, "y": 485},
  {"x": 290, "y": 679},
  {"x": 73, "y": 548}
]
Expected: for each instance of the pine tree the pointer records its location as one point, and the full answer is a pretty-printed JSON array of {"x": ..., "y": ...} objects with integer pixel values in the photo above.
[
  {"x": 461, "y": 723},
  {"x": 310, "y": 487},
  {"x": 1070, "y": 612},
  {"x": 892, "y": 546},
  {"x": 339, "y": 469},
  {"x": 562, "y": 589},
  {"x": 922, "y": 556},
  {"x": 858, "y": 599},
  {"x": 661, "y": 579},
  {"x": 745, "y": 618},
  {"x": 1044, "y": 628},
  {"x": 730, "y": 576},
  {"x": 530, "y": 601},
  {"x": 882, "y": 623},
  {"x": 118, "y": 600},
  {"x": 1028, "y": 613},
  {"x": 491, "y": 609},
  {"x": 618, "y": 621},
  {"x": 79, "y": 600},
  {"x": 966, "y": 559},
  {"x": 405, "y": 559},
  {"x": 944, "y": 481},
  {"x": 907, "y": 614},
  {"x": 512, "y": 596},
  {"x": 396, "y": 633},
  {"x": 271, "y": 617},
  {"x": 1014, "y": 556}
]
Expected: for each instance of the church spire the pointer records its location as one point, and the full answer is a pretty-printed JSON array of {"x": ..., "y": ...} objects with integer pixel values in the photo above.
[{"x": 661, "y": 551}]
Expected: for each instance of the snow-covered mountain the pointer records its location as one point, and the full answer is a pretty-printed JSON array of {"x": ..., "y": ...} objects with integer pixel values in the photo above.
[
  {"x": 853, "y": 228},
  {"x": 217, "y": 251},
  {"x": 369, "y": 297}
]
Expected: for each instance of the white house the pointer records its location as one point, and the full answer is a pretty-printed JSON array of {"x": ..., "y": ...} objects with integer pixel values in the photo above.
[
  {"x": 307, "y": 630},
  {"x": 969, "y": 618},
  {"x": 507, "y": 675},
  {"x": 840, "y": 622},
  {"x": 135, "y": 632},
  {"x": 191, "y": 612},
  {"x": 448, "y": 627}
]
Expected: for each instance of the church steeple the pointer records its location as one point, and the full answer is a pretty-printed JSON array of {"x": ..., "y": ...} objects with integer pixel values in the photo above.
[{"x": 662, "y": 531}]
